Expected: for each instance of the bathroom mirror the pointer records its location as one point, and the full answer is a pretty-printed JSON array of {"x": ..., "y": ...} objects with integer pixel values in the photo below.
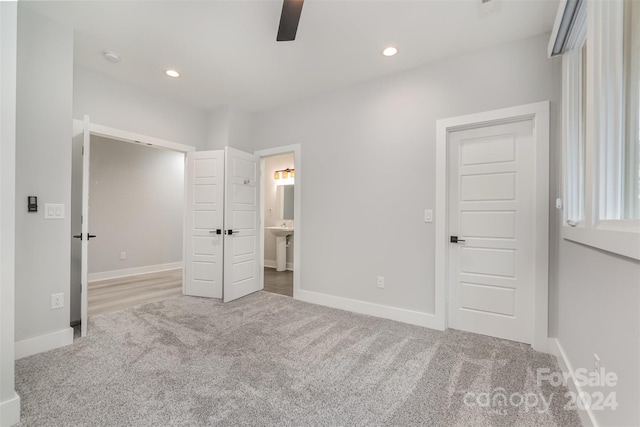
[{"x": 284, "y": 201}]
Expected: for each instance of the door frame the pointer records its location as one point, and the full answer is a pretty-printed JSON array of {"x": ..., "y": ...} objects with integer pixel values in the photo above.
[
  {"x": 539, "y": 113},
  {"x": 134, "y": 138},
  {"x": 296, "y": 149}
]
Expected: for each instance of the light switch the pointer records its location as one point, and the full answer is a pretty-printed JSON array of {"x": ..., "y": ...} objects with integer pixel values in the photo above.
[
  {"x": 428, "y": 215},
  {"x": 53, "y": 211}
]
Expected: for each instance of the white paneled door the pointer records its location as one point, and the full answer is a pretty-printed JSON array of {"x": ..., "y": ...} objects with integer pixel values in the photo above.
[
  {"x": 242, "y": 224},
  {"x": 491, "y": 215},
  {"x": 222, "y": 224},
  {"x": 204, "y": 223}
]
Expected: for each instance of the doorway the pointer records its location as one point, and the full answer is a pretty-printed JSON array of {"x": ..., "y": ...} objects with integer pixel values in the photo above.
[
  {"x": 126, "y": 231},
  {"x": 279, "y": 220},
  {"x": 492, "y": 223},
  {"x": 136, "y": 199}
]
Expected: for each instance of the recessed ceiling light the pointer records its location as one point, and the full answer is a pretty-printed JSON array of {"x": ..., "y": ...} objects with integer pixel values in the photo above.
[
  {"x": 111, "y": 57},
  {"x": 172, "y": 73},
  {"x": 390, "y": 51}
]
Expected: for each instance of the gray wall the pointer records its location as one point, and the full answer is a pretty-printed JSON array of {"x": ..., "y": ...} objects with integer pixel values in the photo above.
[
  {"x": 136, "y": 205},
  {"x": 599, "y": 312},
  {"x": 228, "y": 125},
  {"x": 272, "y": 164},
  {"x": 369, "y": 166},
  {"x": 218, "y": 128},
  {"x": 43, "y": 169},
  {"x": 122, "y": 106},
  {"x": 9, "y": 408}
]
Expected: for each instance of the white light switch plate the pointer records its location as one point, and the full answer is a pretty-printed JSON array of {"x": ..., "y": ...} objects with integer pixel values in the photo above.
[
  {"x": 53, "y": 211},
  {"x": 428, "y": 215}
]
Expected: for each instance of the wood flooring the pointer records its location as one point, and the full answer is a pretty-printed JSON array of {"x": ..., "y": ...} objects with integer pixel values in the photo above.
[
  {"x": 117, "y": 294},
  {"x": 278, "y": 282}
]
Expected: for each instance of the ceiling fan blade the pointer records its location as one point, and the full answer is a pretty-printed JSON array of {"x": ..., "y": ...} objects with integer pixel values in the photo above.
[{"x": 291, "y": 10}]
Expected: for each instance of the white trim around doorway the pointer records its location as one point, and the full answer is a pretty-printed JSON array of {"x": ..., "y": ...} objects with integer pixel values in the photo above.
[
  {"x": 539, "y": 113},
  {"x": 125, "y": 136},
  {"x": 296, "y": 149}
]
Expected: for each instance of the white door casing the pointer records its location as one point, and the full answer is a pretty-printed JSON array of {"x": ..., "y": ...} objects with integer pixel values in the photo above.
[
  {"x": 204, "y": 222},
  {"x": 539, "y": 115},
  {"x": 242, "y": 224},
  {"x": 89, "y": 129},
  {"x": 491, "y": 194},
  {"x": 84, "y": 258}
]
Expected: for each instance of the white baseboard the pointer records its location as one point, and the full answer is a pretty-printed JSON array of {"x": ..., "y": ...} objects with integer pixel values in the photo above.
[
  {"x": 272, "y": 264},
  {"x": 43, "y": 343},
  {"x": 116, "y": 274},
  {"x": 386, "y": 312},
  {"x": 587, "y": 417},
  {"x": 10, "y": 411}
]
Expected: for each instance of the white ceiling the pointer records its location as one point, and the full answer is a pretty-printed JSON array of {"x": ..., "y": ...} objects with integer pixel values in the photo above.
[{"x": 228, "y": 54}]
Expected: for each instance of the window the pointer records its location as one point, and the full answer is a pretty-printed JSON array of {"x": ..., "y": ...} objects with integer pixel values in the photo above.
[
  {"x": 631, "y": 171},
  {"x": 601, "y": 126},
  {"x": 574, "y": 87}
]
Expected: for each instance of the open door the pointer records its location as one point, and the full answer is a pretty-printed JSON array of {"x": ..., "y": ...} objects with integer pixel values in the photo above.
[
  {"x": 85, "y": 236},
  {"x": 204, "y": 217},
  {"x": 242, "y": 224}
]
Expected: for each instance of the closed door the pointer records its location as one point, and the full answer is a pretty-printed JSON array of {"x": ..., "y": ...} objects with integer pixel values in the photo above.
[
  {"x": 204, "y": 222},
  {"x": 242, "y": 200},
  {"x": 491, "y": 202}
]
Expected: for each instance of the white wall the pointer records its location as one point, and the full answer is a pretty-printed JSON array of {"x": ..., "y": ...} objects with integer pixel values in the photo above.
[
  {"x": 122, "y": 106},
  {"x": 369, "y": 167},
  {"x": 43, "y": 169},
  {"x": 137, "y": 197},
  {"x": 9, "y": 401},
  {"x": 272, "y": 164}
]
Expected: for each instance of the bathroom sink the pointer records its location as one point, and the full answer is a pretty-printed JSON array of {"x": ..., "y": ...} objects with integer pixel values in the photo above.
[
  {"x": 281, "y": 234},
  {"x": 280, "y": 231}
]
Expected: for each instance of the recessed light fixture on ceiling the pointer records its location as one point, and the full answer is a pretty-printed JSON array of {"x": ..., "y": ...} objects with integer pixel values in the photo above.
[
  {"x": 390, "y": 51},
  {"x": 111, "y": 56},
  {"x": 172, "y": 73}
]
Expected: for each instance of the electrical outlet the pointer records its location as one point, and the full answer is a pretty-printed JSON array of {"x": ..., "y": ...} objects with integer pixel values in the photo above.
[
  {"x": 57, "y": 301},
  {"x": 380, "y": 282},
  {"x": 123, "y": 255}
]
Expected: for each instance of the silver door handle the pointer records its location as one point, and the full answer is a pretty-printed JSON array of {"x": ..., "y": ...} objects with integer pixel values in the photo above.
[
  {"x": 230, "y": 232},
  {"x": 216, "y": 231}
]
